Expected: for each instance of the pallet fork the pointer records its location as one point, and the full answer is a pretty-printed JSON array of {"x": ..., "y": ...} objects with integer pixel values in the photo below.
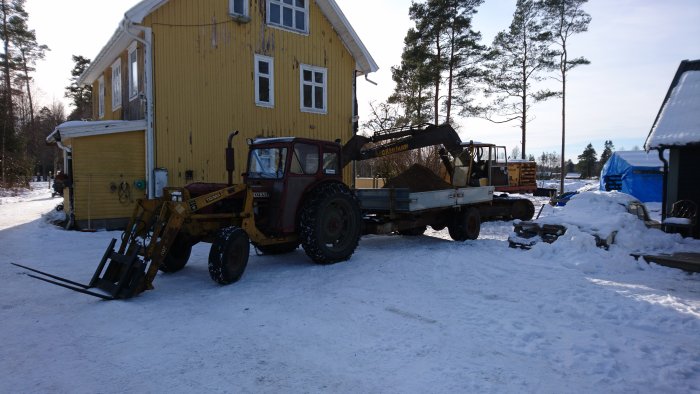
[{"x": 131, "y": 269}]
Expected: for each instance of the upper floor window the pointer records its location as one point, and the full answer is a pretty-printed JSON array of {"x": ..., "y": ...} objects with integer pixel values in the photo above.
[
  {"x": 101, "y": 97},
  {"x": 116, "y": 85},
  {"x": 289, "y": 14},
  {"x": 264, "y": 81},
  {"x": 314, "y": 87},
  {"x": 238, "y": 8},
  {"x": 133, "y": 72}
]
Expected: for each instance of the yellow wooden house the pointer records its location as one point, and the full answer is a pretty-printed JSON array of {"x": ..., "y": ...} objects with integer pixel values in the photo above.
[{"x": 178, "y": 76}]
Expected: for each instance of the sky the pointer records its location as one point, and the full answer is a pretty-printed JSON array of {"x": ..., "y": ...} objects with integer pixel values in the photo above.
[{"x": 635, "y": 47}]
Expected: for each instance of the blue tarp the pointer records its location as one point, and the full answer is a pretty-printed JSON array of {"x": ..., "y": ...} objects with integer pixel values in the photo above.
[{"x": 637, "y": 173}]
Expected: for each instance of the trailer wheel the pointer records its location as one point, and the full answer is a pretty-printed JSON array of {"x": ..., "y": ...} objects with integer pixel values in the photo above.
[
  {"x": 466, "y": 225},
  {"x": 330, "y": 224},
  {"x": 177, "y": 256},
  {"x": 523, "y": 210},
  {"x": 228, "y": 255},
  {"x": 414, "y": 232},
  {"x": 278, "y": 249}
]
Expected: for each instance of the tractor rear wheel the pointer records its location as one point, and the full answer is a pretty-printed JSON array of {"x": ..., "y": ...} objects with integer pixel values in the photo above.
[
  {"x": 466, "y": 225},
  {"x": 414, "y": 232},
  {"x": 330, "y": 224},
  {"x": 278, "y": 249},
  {"x": 177, "y": 256},
  {"x": 228, "y": 255}
]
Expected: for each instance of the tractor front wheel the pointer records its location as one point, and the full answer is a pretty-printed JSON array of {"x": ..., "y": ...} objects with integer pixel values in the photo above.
[
  {"x": 228, "y": 255},
  {"x": 177, "y": 256},
  {"x": 330, "y": 224}
]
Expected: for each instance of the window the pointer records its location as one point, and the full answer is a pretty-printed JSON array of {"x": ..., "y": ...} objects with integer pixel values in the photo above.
[
  {"x": 264, "y": 81},
  {"x": 101, "y": 97},
  {"x": 313, "y": 89},
  {"x": 238, "y": 8},
  {"x": 288, "y": 14},
  {"x": 330, "y": 163},
  {"x": 116, "y": 85},
  {"x": 305, "y": 160},
  {"x": 133, "y": 72},
  {"x": 267, "y": 163}
]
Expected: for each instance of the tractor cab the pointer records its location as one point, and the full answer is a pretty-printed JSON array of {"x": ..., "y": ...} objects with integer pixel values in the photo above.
[{"x": 280, "y": 173}]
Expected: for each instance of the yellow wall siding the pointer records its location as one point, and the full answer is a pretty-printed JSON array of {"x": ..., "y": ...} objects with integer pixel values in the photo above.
[
  {"x": 99, "y": 161},
  {"x": 204, "y": 84}
]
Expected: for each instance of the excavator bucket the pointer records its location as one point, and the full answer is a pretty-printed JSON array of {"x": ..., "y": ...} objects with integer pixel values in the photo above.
[{"x": 130, "y": 270}]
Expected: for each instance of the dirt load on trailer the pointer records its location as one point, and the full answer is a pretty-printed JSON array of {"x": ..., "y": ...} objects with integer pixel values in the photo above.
[{"x": 418, "y": 178}]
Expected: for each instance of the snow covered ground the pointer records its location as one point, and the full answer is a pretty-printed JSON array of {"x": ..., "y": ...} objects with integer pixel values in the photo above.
[{"x": 404, "y": 315}]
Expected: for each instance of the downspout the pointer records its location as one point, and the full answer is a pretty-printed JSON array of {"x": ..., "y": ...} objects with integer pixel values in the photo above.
[
  {"x": 68, "y": 169},
  {"x": 147, "y": 42},
  {"x": 665, "y": 183}
]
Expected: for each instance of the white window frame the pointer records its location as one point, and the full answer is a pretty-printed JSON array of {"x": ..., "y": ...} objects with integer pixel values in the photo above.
[
  {"x": 271, "y": 76},
  {"x": 294, "y": 9},
  {"x": 117, "y": 85},
  {"x": 133, "y": 74},
  {"x": 101, "y": 97},
  {"x": 234, "y": 14},
  {"x": 313, "y": 84}
]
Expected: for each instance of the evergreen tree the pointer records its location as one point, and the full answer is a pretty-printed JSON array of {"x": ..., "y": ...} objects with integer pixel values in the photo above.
[
  {"x": 519, "y": 55},
  {"x": 607, "y": 152},
  {"x": 448, "y": 50},
  {"x": 570, "y": 166},
  {"x": 587, "y": 162},
  {"x": 28, "y": 51},
  {"x": 565, "y": 18},
  {"x": 81, "y": 95},
  {"x": 413, "y": 78}
]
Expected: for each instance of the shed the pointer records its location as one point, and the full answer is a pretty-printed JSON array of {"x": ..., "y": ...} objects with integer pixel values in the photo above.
[
  {"x": 677, "y": 129},
  {"x": 637, "y": 173}
]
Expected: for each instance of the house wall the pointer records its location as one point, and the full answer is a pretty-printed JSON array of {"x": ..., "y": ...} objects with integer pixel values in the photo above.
[
  {"x": 100, "y": 162},
  {"x": 688, "y": 170},
  {"x": 130, "y": 109},
  {"x": 204, "y": 85}
]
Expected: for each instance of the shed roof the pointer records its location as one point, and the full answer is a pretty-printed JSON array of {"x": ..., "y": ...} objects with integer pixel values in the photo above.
[
  {"x": 76, "y": 128},
  {"x": 678, "y": 120},
  {"x": 640, "y": 158},
  {"x": 120, "y": 40}
]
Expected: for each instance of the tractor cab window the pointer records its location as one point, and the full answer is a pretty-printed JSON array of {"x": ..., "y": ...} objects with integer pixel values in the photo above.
[
  {"x": 267, "y": 163},
  {"x": 305, "y": 159},
  {"x": 330, "y": 163}
]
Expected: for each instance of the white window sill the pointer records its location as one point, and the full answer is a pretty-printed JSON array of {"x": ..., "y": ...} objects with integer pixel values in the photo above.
[
  {"x": 264, "y": 105},
  {"x": 289, "y": 29},
  {"x": 314, "y": 111}
]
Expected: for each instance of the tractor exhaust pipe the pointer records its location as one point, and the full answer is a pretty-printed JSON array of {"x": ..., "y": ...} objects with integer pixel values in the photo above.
[{"x": 230, "y": 157}]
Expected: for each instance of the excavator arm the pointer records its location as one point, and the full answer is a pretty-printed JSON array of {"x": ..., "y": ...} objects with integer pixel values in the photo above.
[{"x": 402, "y": 139}]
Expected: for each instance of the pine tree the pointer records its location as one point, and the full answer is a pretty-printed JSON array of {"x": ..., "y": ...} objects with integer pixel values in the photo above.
[
  {"x": 607, "y": 152},
  {"x": 565, "y": 18},
  {"x": 447, "y": 50},
  {"x": 81, "y": 95},
  {"x": 413, "y": 79},
  {"x": 29, "y": 51},
  {"x": 587, "y": 161},
  {"x": 520, "y": 54}
]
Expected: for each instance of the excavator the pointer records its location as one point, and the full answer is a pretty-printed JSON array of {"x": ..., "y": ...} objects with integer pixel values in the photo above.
[{"x": 293, "y": 194}]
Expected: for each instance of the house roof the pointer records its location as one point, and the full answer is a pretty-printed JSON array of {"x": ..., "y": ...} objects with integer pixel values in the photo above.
[
  {"x": 678, "y": 120},
  {"x": 76, "y": 129},
  {"x": 121, "y": 39}
]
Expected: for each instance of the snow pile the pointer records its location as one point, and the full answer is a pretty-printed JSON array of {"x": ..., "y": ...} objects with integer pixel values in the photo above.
[{"x": 605, "y": 215}]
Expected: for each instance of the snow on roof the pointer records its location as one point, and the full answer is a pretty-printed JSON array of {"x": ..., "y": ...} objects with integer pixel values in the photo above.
[
  {"x": 120, "y": 40},
  {"x": 678, "y": 121},
  {"x": 640, "y": 158},
  {"x": 76, "y": 129}
]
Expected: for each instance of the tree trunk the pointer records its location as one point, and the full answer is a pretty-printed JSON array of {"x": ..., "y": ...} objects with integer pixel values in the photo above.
[
  {"x": 450, "y": 77},
  {"x": 563, "y": 122},
  {"x": 436, "y": 103},
  {"x": 8, "y": 89},
  {"x": 29, "y": 92}
]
